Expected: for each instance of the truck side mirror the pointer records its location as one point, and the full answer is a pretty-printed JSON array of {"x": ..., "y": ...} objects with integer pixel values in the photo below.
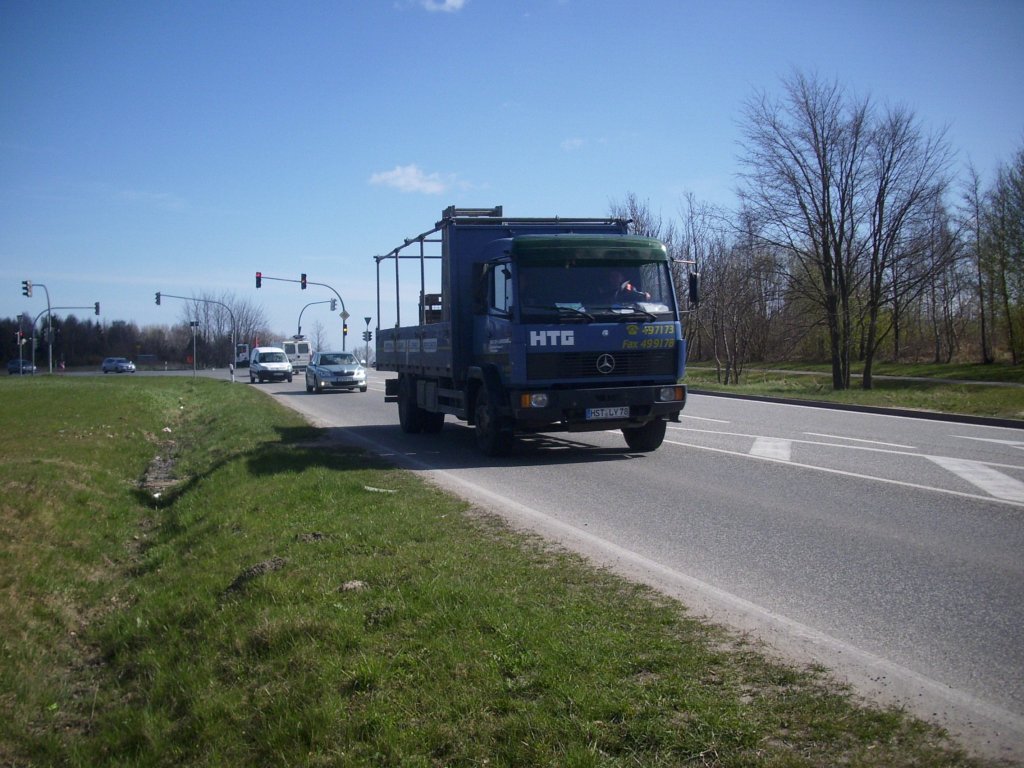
[{"x": 694, "y": 288}]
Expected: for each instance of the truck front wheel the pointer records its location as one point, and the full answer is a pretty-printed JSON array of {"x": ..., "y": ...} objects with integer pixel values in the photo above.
[
  {"x": 491, "y": 438},
  {"x": 646, "y": 438}
]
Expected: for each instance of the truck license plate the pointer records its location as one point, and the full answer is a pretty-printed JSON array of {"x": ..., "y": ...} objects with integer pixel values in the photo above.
[{"x": 621, "y": 412}]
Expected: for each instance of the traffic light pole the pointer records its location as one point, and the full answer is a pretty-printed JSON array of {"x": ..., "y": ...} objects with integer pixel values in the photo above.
[
  {"x": 50, "y": 331},
  {"x": 26, "y": 289},
  {"x": 304, "y": 282},
  {"x": 299, "y": 331},
  {"x": 366, "y": 338},
  {"x": 234, "y": 326}
]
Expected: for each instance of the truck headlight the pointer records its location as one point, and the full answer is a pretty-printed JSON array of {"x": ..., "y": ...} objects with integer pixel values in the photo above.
[
  {"x": 534, "y": 400},
  {"x": 670, "y": 394}
]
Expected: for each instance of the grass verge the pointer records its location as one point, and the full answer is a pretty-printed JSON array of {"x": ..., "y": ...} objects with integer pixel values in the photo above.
[
  {"x": 188, "y": 579},
  {"x": 970, "y": 390}
]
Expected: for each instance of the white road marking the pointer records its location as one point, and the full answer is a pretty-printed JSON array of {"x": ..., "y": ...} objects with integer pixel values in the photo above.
[
  {"x": 856, "y": 475},
  {"x": 858, "y": 440},
  {"x": 1012, "y": 443},
  {"x": 772, "y": 448},
  {"x": 703, "y": 418},
  {"x": 983, "y": 476}
]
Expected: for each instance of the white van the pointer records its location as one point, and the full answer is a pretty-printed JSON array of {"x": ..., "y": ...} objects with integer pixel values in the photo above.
[
  {"x": 269, "y": 363},
  {"x": 299, "y": 353}
]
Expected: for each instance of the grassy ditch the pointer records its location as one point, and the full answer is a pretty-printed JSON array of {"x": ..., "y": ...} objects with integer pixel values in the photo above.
[
  {"x": 189, "y": 579},
  {"x": 972, "y": 390}
]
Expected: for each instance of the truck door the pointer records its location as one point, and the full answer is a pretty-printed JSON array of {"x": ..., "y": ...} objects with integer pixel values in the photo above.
[{"x": 492, "y": 343}]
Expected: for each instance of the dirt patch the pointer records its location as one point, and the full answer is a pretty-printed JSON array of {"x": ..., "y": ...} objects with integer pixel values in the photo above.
[
  {"x": 252, "y": 572},
  {"x": 159, "y": 475}
]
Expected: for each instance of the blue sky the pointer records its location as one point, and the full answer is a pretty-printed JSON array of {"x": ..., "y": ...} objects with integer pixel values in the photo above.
[{"x": 182, "y": 146}]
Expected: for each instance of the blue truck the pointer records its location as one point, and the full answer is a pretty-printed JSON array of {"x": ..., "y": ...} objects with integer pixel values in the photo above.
[{"x": 540, "y": 325}]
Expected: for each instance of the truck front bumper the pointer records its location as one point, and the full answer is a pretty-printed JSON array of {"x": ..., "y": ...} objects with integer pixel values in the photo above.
[{"x": 582, "y": 410}]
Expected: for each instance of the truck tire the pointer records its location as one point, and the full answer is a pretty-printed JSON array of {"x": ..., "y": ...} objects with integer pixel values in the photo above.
[
  {"x": 432, "y": 422},
  {"x": 410, "y": 415},
  {"x": 646, "y": 438},
  {"x": 492, "y": 438}
]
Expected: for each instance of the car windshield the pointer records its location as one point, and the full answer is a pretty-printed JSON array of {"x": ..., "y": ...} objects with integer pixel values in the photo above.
[
  {"x": 273, "y": 357},
  {"x": 337, "y": 358}
]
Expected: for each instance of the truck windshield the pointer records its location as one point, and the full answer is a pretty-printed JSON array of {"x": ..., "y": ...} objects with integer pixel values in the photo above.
[{"x": 600, "y": 290}]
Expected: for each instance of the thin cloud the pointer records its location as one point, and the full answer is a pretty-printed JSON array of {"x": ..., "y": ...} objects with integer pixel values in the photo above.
[
  {"x": 411, "y": 178},
  {"x": 443, "y": 6}
]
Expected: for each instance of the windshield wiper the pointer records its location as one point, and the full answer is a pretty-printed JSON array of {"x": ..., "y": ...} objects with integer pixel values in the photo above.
[
  {"x": 635, "y": 310},
  {"x": 562, "y": 309}
]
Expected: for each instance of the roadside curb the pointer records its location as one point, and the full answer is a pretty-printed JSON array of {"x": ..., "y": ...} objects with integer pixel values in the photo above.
[{"x": 905, "y": 412}]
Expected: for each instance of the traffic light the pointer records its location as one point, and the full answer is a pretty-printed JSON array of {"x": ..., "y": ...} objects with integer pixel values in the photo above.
[
  {"x": 369, "y": 335},
  {"x": 158, "y": 298},
  {"x": 344, "y": 330},
  {"x": 259, "y": 279},
  {"x": 26, "y": 288},
  {"x": 303, "y": 281},
  {"x": 97, "y": 307},
  {"x": 334, "y": 304}
]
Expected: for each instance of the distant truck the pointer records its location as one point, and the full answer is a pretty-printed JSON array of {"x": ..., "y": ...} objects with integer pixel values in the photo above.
[
  {"x": 541, "y": 325},
  {"x": 299, "y": 352},
  {"x": 241, "y": 355}
]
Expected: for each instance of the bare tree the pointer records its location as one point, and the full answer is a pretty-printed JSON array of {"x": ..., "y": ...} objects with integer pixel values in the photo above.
[
  {"x": 223, "y": 318},
  {"x": 805, "y": 161},
  {"x": 643, "y": 221},
  {"x": 972, "y": 211},
  {"x": 904, "y": 181},
  {"x": 702, "y": 237},
  {"x": 1004, "y": 244}
]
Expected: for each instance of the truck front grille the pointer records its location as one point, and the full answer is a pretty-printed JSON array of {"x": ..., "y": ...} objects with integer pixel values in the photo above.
[{"x": 595, "y": 365}]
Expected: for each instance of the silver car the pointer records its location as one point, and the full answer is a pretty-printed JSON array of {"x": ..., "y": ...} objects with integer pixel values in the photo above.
[
  {"x": 337, "y": 370},
  {"x": 118, "y": 365}
]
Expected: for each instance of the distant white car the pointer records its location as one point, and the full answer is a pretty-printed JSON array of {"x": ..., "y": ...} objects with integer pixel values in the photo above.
[
  {"x": 269, "y": 364},
  {"x": 337, "y": 370},
  {"x": 118, "y": 365}
]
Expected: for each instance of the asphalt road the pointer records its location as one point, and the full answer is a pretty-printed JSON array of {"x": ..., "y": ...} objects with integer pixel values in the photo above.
[{"x": 888, "y": 549}]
